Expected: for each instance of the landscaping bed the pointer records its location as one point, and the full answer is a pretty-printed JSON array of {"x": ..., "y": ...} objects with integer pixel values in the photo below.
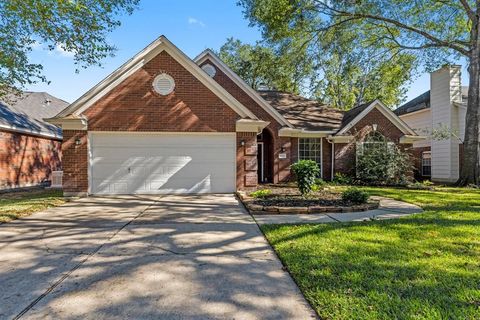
[{"x": 286, "y": 199}]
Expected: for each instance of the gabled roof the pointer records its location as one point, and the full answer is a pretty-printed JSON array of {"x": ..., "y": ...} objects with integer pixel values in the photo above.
[
  {"x": 356, "y": 114},
  {"x": 210, "y": 55},
  {"x": 138, "y": 61},
  {"x": 25, "y": 113},
  {"x": 303, "y": 113}
]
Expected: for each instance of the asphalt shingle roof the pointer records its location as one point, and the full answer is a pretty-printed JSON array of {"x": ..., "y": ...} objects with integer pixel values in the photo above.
[
  {"x": 304, "y": 113},
  {"x": 27, "y": 111}
]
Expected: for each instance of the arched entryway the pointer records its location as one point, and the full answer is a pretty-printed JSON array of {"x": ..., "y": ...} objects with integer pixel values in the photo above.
[{"x": 265, "y": 156}]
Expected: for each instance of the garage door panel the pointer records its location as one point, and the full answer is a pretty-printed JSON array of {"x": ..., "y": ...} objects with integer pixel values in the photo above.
[{"x": 157, "y": 163}]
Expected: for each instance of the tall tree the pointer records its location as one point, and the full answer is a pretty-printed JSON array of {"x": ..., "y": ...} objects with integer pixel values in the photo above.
[
  {"x": 351, "y": 71},
  {"x": 431, "y": 30},
  {"x": 79, "y": 27},
  {"x": 279, "y": 66}
]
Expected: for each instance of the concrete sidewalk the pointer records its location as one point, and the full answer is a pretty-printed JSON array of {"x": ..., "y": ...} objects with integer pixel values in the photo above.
[{"x": 388, "y": 209}]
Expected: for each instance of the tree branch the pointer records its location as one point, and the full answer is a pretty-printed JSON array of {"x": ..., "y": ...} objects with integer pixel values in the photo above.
[
  {"x": 468, "y": 9},
  {"x": 426, "y": 35}
]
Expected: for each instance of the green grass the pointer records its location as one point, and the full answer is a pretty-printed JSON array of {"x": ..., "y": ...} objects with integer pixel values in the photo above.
[
  {"x": 425, "y": 266},
  {"x": 16, "y": 204}
]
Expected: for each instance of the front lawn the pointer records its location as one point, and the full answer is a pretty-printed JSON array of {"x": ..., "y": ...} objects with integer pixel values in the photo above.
[
  {"x": 425, "y": 266},
  {"x": 16, "y": 204}
]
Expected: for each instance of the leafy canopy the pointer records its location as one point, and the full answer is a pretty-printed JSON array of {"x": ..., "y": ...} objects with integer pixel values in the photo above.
[
  {"x": 283, "y": 66},
  {"x": 77, "y": 26},
  {"x": 359, "y": 58}
]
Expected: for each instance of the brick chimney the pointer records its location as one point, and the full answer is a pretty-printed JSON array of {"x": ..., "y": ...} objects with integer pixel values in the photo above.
[{"x": 445, "y": 89}]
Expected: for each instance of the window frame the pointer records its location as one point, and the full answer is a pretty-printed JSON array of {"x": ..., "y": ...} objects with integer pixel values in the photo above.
[
  {"x": 422, "y": 163},
  {"x": 320, "y": 164}
]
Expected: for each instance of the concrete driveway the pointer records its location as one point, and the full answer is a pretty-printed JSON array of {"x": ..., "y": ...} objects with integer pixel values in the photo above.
[{"x": 159, "y": 257}]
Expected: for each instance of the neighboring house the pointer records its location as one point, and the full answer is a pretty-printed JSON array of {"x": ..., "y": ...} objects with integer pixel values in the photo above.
[
  {"x": 30, "y": 148},
  {"x": 442, "y": 108},
  {"x": 163, "y": 123}
]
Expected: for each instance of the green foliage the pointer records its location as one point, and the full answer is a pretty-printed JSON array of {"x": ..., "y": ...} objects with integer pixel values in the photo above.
[
  {"x": 423, "y": 266},
  {"x": 260, "y": 194},
  {"x": 381, "y": 162},
  {"x": 79, "y": 27},
  {"x": 17, "y": 204},
  {"x": 355, "y": 195},
  {"x": 282, "y": 66},
  {"x": 306, "y": 171},
  {"x": 342, "y": 179}
]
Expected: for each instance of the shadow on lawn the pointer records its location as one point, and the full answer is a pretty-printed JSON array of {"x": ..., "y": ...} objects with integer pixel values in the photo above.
[{"x": 423, "y": 266}]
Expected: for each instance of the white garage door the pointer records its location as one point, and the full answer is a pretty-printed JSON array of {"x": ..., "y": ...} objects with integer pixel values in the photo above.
[{"x": 131, "y": 163}]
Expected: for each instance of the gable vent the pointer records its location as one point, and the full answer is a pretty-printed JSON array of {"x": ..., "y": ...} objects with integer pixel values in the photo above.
[
  {"x": 163, "y": 84},
  {"x": 210, "y": 70}
]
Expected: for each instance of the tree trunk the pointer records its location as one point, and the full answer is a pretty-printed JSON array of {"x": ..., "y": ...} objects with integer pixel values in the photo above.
[{"x": 470, "y": 167}]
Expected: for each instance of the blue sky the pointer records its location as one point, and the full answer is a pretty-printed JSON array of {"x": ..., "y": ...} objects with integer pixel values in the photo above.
[{"x": 192, "y": 25}]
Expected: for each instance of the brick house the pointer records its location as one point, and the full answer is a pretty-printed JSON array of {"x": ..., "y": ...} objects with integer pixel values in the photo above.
[
  {"x": 30, "y": 148},
  {"x": 164, "y": 123}
]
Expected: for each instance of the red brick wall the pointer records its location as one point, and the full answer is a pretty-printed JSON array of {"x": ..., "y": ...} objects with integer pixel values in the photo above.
[
  {"x": 345, "y": 153},
  {"x": 247, "y": 160},
  {"x": 281, "y": 167},
  {"x": 75, "y": 162},
  {"x": 135, "y": 106},
  {"x": 27, "y": 160}
]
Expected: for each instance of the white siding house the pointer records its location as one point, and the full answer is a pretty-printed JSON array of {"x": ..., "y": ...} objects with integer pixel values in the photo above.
[{"x": 443, "y": 108}]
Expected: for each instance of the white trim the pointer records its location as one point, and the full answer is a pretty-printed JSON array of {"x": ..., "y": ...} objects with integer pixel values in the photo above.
[
  {"x": 411, "y": 139},
  {"x": 321, "y": 152},
  {"x": 208, "y": 54},
  {"x": 414, "y": 112},
  {"x": 399, "y": 123},
  {"x": 247, "y": 125},
  {"x": 302, "y": 133},
  {"x": 69, "y": 123},
  {"x": 340, "y": 139},
  {"x": 138, "y": 61},
  {"x": 31, "y": 132}
]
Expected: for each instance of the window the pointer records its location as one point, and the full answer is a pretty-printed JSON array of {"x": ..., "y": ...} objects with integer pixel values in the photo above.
[
  {"x": 426, "y": 163},
  {"x": 310, "y": 149}
]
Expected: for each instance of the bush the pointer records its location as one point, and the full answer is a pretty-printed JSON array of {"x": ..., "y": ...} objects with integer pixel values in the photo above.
[
  {"x": 306, "y": 171},
  {"x": 381, "y": 162},
  {"x": 355, "y": 195},
  {"x": 259, "y": 194},
  {"x": 341, "y": 179}
]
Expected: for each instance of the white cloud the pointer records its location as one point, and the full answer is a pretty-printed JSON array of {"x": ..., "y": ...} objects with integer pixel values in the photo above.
[
  {"x": 61, "y": 51},
  {"x": 196, "y": 21}
]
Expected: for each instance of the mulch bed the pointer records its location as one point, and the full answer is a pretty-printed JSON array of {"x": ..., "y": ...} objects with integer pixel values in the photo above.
[{"x": 285, "y": 198}]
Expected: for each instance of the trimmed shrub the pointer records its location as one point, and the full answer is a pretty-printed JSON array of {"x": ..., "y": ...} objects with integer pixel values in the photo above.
[
  {"x": 355, "y": 195},
  {"x": 306, "y": 172},
  {"x": 259, "y": 194}
]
